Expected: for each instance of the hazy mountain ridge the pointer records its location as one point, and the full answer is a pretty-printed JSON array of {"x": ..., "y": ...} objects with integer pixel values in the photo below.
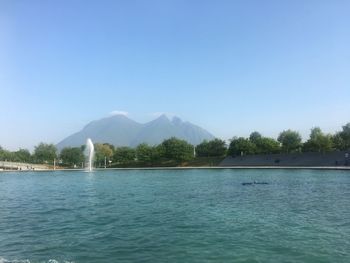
[{"x": 119, "y": 130}]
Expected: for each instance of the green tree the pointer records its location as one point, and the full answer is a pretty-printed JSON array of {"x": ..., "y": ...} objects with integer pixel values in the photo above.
[
  {"x": 45, "y": 153},
  {"x": 159, "y": 152},
  {"x": 290, "y": 140},
  {"x": 6, "y": 155},
  {"x": 111, "y": 146},
  {"x": 338, "y": 142},
  {"x": 202, "y": 149},
  {"x": 241, "y": 146},
  {"x": 178, "y": 150},
  {"x": 72, "y": 156},
  {"x": 254, "y": 137},
  {"x": 341, "y": 140},
  {"x": 22, "y": 155},
  {"x": 213, "y": 148},
  {"x": 265, "y": 145},
  {"x": 144, "y": 153},
  {"x": 147, "y": 154},
  {"x": 2, "y": 154},
  {"x": 124, "y": 155},
  {"x": 318, "y": 142},
  {"x": 102, "y": 152}
]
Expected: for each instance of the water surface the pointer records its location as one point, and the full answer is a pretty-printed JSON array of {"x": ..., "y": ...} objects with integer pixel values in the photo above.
[{"x": 175, "y": 216}]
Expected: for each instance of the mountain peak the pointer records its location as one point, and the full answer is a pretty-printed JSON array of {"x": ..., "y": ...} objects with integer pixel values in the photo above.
[
  {"x": 119, "y": 116},
  {"x": 176, "y": 120},
  {"x": 162, "y": 117}
]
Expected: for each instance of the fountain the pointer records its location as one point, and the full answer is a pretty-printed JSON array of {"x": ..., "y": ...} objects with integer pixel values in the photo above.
[{"x": 89, "y": 152}]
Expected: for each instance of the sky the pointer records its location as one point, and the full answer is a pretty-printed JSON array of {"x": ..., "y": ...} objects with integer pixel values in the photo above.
[{"x": 231, "y": 67}]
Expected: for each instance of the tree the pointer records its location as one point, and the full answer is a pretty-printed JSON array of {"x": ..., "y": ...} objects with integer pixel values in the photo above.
[
  {"x": 338, "y": 142},
  {"x": 178, "y": 150},
  {"x": 22, "y": 155},
  {"x": 202, "y": 149},
  {"x": 102, "y": 152},
  {"x": 111, "y": 146},
  {"x": 124, "y": 155},
  {"x": 149, "y": 154},
  {"x": 265, "y": 145},
  {"x": 290, "y": 140},
  {"x": 241, "y": 146},
  {"x": 318, "y": 142},
  {"x": 157, "y": 153},
  {"x": 341, "y": 139},
  {"x": 45, "y": 153},
  {"x": 255, "y": 136},
  {"x": 213, "y": 148},
  {"x": 6, "y": 155},
  {"x": 72, "y": 156},
  {"x": 144, "y": 153}
]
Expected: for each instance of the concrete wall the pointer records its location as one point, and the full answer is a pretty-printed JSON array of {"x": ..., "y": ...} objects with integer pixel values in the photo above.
[
  {"x": 21, "y": 166},
  {"x": 296, "y": 159}
]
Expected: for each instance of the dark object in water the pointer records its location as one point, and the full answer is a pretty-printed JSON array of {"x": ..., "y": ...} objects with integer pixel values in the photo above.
[{"x": 255, "y": 182}]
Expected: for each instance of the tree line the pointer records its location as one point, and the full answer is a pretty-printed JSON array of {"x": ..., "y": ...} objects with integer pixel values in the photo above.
[
  {"x": 174, "y": 151},
  {"x": 290, "y": 141}
]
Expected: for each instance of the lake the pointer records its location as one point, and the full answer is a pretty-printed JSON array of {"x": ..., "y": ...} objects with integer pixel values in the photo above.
[{"x": 194, "y": 215}]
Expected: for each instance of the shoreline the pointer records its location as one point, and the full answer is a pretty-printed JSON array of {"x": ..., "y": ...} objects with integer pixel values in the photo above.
[{"x": 341, "y": 168}]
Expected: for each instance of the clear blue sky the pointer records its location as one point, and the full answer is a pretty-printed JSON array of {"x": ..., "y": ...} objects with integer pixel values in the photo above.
[{"x": 229, "y": 66}]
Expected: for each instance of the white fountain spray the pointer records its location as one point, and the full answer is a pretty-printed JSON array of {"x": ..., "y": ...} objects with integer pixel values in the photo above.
[{"x": 89, "y": 154}]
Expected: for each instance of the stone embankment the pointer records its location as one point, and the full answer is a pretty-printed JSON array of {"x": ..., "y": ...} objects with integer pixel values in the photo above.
[
  {"x": 22, "y": 166},
  {"x": 331, "y": 159}
]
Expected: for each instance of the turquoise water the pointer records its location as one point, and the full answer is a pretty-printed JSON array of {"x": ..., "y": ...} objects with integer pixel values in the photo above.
[{"x": 175, "y": 216}]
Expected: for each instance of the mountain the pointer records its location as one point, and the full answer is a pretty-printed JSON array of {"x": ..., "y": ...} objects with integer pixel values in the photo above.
[
  {"x": 119, "y": 130},
  {"x": 154, "y": 132}
]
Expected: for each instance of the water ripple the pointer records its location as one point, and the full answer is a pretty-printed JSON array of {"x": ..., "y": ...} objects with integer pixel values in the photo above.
[{"x": 175, "y": 216}]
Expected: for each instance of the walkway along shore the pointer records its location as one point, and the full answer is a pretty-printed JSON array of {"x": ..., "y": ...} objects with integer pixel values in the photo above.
[{"x": 195, "y": 168}]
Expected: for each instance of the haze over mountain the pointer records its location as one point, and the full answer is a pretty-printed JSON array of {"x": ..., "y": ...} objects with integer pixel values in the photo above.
[{"x": 119, "y": 130}]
